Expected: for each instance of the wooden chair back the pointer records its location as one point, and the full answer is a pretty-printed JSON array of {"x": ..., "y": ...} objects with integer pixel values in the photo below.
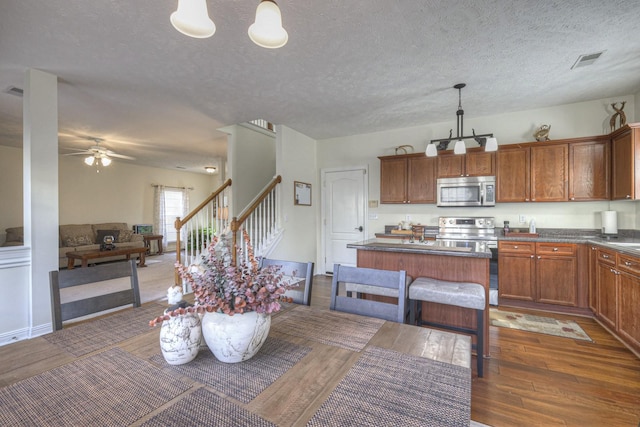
[
  {"x": 371, "y": 278},
  {"x": 302, "y": 270},
  {"x": 82, "y": 276}
]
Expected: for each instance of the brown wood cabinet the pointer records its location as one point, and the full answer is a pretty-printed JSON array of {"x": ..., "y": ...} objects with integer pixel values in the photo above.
[
  {"x": 589, "y": 171},
  {"x": 618, "y": 295},
  {"x": 513, "y": 182},
  {"x": 476, "y": 162},
  {"x": 625, "y": 160},
  {"x": 539, "y": 272},
  {"x": 593, "y": 279},
  {"x": 408, "y": 179},
  {"x": 549, "y": 173}
]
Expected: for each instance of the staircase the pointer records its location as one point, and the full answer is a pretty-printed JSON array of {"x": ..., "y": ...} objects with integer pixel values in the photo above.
[{"x": 260, "y": 219}]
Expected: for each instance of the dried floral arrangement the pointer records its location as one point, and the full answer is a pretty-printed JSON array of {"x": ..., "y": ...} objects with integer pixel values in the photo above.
[{"x": 218, "y": 285}]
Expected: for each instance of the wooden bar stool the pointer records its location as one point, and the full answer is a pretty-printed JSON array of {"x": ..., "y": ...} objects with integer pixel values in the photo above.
[{"x": 461, "y": 294}]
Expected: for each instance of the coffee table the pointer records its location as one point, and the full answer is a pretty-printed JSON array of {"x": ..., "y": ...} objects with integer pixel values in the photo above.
[{"x": 85, "y": 256}]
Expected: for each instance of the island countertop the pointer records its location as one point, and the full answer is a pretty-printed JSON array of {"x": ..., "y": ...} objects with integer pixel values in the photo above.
[{"x": 457, "y": 248}]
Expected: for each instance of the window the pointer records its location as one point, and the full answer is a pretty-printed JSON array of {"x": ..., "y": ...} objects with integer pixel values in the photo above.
[{"x": 173, "y": 208}]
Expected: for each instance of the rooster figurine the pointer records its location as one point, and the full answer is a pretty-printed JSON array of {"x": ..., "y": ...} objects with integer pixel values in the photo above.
[{"x": 542, "y": 134}]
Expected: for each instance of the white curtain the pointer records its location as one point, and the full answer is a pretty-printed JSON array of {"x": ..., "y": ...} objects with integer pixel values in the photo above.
[{"x": 159, "y": 213}]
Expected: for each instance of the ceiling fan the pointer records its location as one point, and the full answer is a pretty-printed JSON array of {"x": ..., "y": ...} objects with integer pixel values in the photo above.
[{"x": 98, "y": 153}]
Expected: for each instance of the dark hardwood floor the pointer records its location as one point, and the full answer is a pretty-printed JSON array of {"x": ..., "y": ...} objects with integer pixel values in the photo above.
[{"x": 540, "y": 380}]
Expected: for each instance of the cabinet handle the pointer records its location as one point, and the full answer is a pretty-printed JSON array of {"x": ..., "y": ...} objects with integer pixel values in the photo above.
[
  {"x": 593, "y": 248},
  {"x": 515, "y": 247},
  {"x": 526, "y": 200},
  {"x": 531, "y": 256},
  {"x": 627, "y": 263},
  {"x": 533, "y": 200},
  {"x": 555, "y": 249},
  {"x": 573, "y": 198},
  {"x": 605, "y": 256},
  {"x": 628, "y": 196},
  {"x": 539, "y": 257}
]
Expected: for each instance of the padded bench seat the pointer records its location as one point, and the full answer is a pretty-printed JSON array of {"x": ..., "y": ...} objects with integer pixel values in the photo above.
[{"x": 460, "y": 294}]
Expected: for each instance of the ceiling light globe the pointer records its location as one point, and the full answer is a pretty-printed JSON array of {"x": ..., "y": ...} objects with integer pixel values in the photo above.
[
  {"x": 459, "y": 148},
  {"x": 210, "y": 169},
  {"x": 267, "y": 30},
  {"x": 105, "y": 161},
  {"x": 89, "y": 160},
  {"x": 431, "y": 151},
  {"x": 192, "y": 19},
  {"x": 491, "y": 145}
]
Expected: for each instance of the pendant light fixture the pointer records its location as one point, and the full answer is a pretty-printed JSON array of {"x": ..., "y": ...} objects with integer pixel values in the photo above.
[
  {"x": 485, "y": 140},
  {"x": 192, "y": 19}
]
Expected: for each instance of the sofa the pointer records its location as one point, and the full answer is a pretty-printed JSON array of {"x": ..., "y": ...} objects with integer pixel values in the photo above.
[{"x": 84, "y": 237}]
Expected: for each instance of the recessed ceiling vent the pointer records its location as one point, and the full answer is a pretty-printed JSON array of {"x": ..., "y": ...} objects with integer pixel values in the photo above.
[
  {"x": 588, "y": 59},
  {"x": 12, "y": 90}
]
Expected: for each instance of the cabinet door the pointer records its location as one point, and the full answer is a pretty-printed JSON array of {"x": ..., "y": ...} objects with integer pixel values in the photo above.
[
  {"x": 450, "y": 165},
  {"x": 421, "y": 180},
  {"x": 516, "y": 276},
  {"x": 628, "y": 314},
  {"x": 480, "y": 163},
  {"x": 589, "y": 175},
  {"x": 593, "y": 279},
  {"x": 549, "y": 173},
  {"x": 556, "y": 280},
  {"x": 622, "y": 154},
  {"x": 607, "y": 295},
  {"x": 512, "y": 175},
  {"x": 393, "y": 180}
]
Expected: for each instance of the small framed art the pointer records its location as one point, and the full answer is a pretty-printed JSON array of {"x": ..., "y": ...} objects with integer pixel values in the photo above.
[{"x": 301, "y": 193}]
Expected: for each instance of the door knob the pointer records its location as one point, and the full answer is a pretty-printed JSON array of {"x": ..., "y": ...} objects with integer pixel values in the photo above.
[{"x": 359, "y": 228}]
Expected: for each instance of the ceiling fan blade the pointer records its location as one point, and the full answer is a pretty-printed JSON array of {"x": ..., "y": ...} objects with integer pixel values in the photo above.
[
  {"x": 119, "y": 156},
  {"x": 79, "y": 153}
]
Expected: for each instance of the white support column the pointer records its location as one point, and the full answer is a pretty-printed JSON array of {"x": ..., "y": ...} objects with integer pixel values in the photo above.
[{"x": 40, "y": 110}]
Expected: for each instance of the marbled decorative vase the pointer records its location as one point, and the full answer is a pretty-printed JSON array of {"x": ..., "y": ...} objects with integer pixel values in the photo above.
[
  {"x": 180, "y": 338},
  {"x": 235, "y": 338}
]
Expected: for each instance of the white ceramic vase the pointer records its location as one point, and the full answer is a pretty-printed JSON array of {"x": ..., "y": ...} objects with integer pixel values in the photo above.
[
  {"x": 180, "y": 338},
  {"x": 235, "y": 338}
]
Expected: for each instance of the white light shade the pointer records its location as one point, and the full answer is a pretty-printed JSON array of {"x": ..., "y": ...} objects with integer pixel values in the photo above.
[
  {"x": 491, "y": 145},
  {"x": 89, "y": 160},
  {"x": 192, "y": 19},
  {"x": 432, "y": 151},
  {"x": 210, "y": 169},
  {"x": 459, "y": 148},
  {"x": 267, "y": 31},
  {"x": 105, "y": 161}
]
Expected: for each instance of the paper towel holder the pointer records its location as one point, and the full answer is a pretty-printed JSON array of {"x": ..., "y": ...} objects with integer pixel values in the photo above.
[{"x": 609, "y": 224}]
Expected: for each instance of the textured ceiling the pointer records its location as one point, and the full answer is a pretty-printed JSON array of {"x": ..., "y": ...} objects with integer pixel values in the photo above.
[{"x": 350, "y": 67}]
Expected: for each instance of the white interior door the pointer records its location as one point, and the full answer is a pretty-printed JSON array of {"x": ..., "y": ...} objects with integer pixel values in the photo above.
[{"x": 344, "y": 214}]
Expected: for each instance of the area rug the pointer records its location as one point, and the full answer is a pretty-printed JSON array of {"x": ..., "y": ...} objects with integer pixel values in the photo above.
[
  {"x": 241, "y": 381},
  {"x": 113, "y": 388},
  {"x": 348, "y": 331},
  {"x": 387, "y": 388},
  {"x": 87, "y": 337},
  {"x": 204, "y": 408},
  {"x": 539, "y": 324}
]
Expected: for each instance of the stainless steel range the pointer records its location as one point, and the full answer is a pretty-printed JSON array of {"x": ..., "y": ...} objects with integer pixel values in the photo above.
[{"x": 455, "y": 231}]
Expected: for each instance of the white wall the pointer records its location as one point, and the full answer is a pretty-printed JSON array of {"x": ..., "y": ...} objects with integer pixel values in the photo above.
[
  {"x": 567, "y": 121},
  {"x": 296, "y": 161},
  {"x": 11, "y": 211}
]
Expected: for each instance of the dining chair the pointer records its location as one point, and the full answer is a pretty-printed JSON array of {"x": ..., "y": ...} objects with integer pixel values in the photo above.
[
  {"x": 371, "y": 281},
  {"x": 300, "y": 270},
  {"x": 82, "y": 276}
]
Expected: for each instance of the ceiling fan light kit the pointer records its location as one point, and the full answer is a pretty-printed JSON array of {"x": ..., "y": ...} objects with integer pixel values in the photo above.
[
  {"x": 485, "y": 140},
  {"x": 192, "y": 19}
]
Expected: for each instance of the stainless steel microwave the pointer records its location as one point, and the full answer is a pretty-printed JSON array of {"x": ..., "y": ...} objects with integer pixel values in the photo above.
[{"x": 467, "y": 191}]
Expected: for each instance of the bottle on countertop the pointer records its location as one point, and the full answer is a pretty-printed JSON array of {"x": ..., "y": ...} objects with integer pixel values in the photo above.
[
  {"x": 532, "y": 226},
  {"x": 506, "y": 227}
]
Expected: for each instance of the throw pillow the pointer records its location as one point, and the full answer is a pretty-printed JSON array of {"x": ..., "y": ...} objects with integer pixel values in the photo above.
[
  {"x": 78, "y": 241},
  {"x": 125, "y": 236},
  {"x": 101, "y": 233}
]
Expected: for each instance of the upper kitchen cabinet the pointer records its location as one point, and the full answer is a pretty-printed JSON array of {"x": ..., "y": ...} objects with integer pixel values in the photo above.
[
  {"x": 625, "y": 154},
  {"x": 513, "y": 165},
  {"x": 408, "y": 178},
  {"x": 589, "y": 170},
  {"x": 476, "y": 162},
  {"x": 549, "y": 173}
]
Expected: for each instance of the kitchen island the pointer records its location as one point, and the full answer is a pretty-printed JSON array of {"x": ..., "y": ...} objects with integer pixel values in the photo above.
[{"x": 460, "y": 261}]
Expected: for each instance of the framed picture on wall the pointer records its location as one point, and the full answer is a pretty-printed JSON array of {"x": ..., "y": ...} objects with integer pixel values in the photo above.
[{"x": 301, "y": 193}]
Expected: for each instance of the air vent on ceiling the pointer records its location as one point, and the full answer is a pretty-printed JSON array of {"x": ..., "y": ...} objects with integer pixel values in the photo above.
[
  {"x": 12, "y": 90},
  {"x": 587, "y": 59}
]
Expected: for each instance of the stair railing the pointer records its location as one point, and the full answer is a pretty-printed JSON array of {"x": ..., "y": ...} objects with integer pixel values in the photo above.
[{"x": 260, "y": 220}]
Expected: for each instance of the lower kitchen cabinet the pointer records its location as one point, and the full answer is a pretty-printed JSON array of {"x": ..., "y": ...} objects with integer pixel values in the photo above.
[
  {"x": 618, "y": 295},
  {"x": 541, "y": 272}
]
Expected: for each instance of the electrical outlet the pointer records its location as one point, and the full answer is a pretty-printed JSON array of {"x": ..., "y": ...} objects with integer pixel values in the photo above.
[
  {"x": 522, "y": 219},
  {"x": 408, "y": 217},
  {"x": 373, "y": 216}
]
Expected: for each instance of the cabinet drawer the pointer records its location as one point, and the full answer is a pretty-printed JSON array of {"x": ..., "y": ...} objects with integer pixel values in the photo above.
[
  {"x": 516, "y": 247},
  {"x": 629, "y": 264},
  {"x": 567, "y": 249},
  {"x": 607, "y": 257}
]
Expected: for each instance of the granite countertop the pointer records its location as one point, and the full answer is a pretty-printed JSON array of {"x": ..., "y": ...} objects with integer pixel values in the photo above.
[{"x": 430, "y": 247}]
